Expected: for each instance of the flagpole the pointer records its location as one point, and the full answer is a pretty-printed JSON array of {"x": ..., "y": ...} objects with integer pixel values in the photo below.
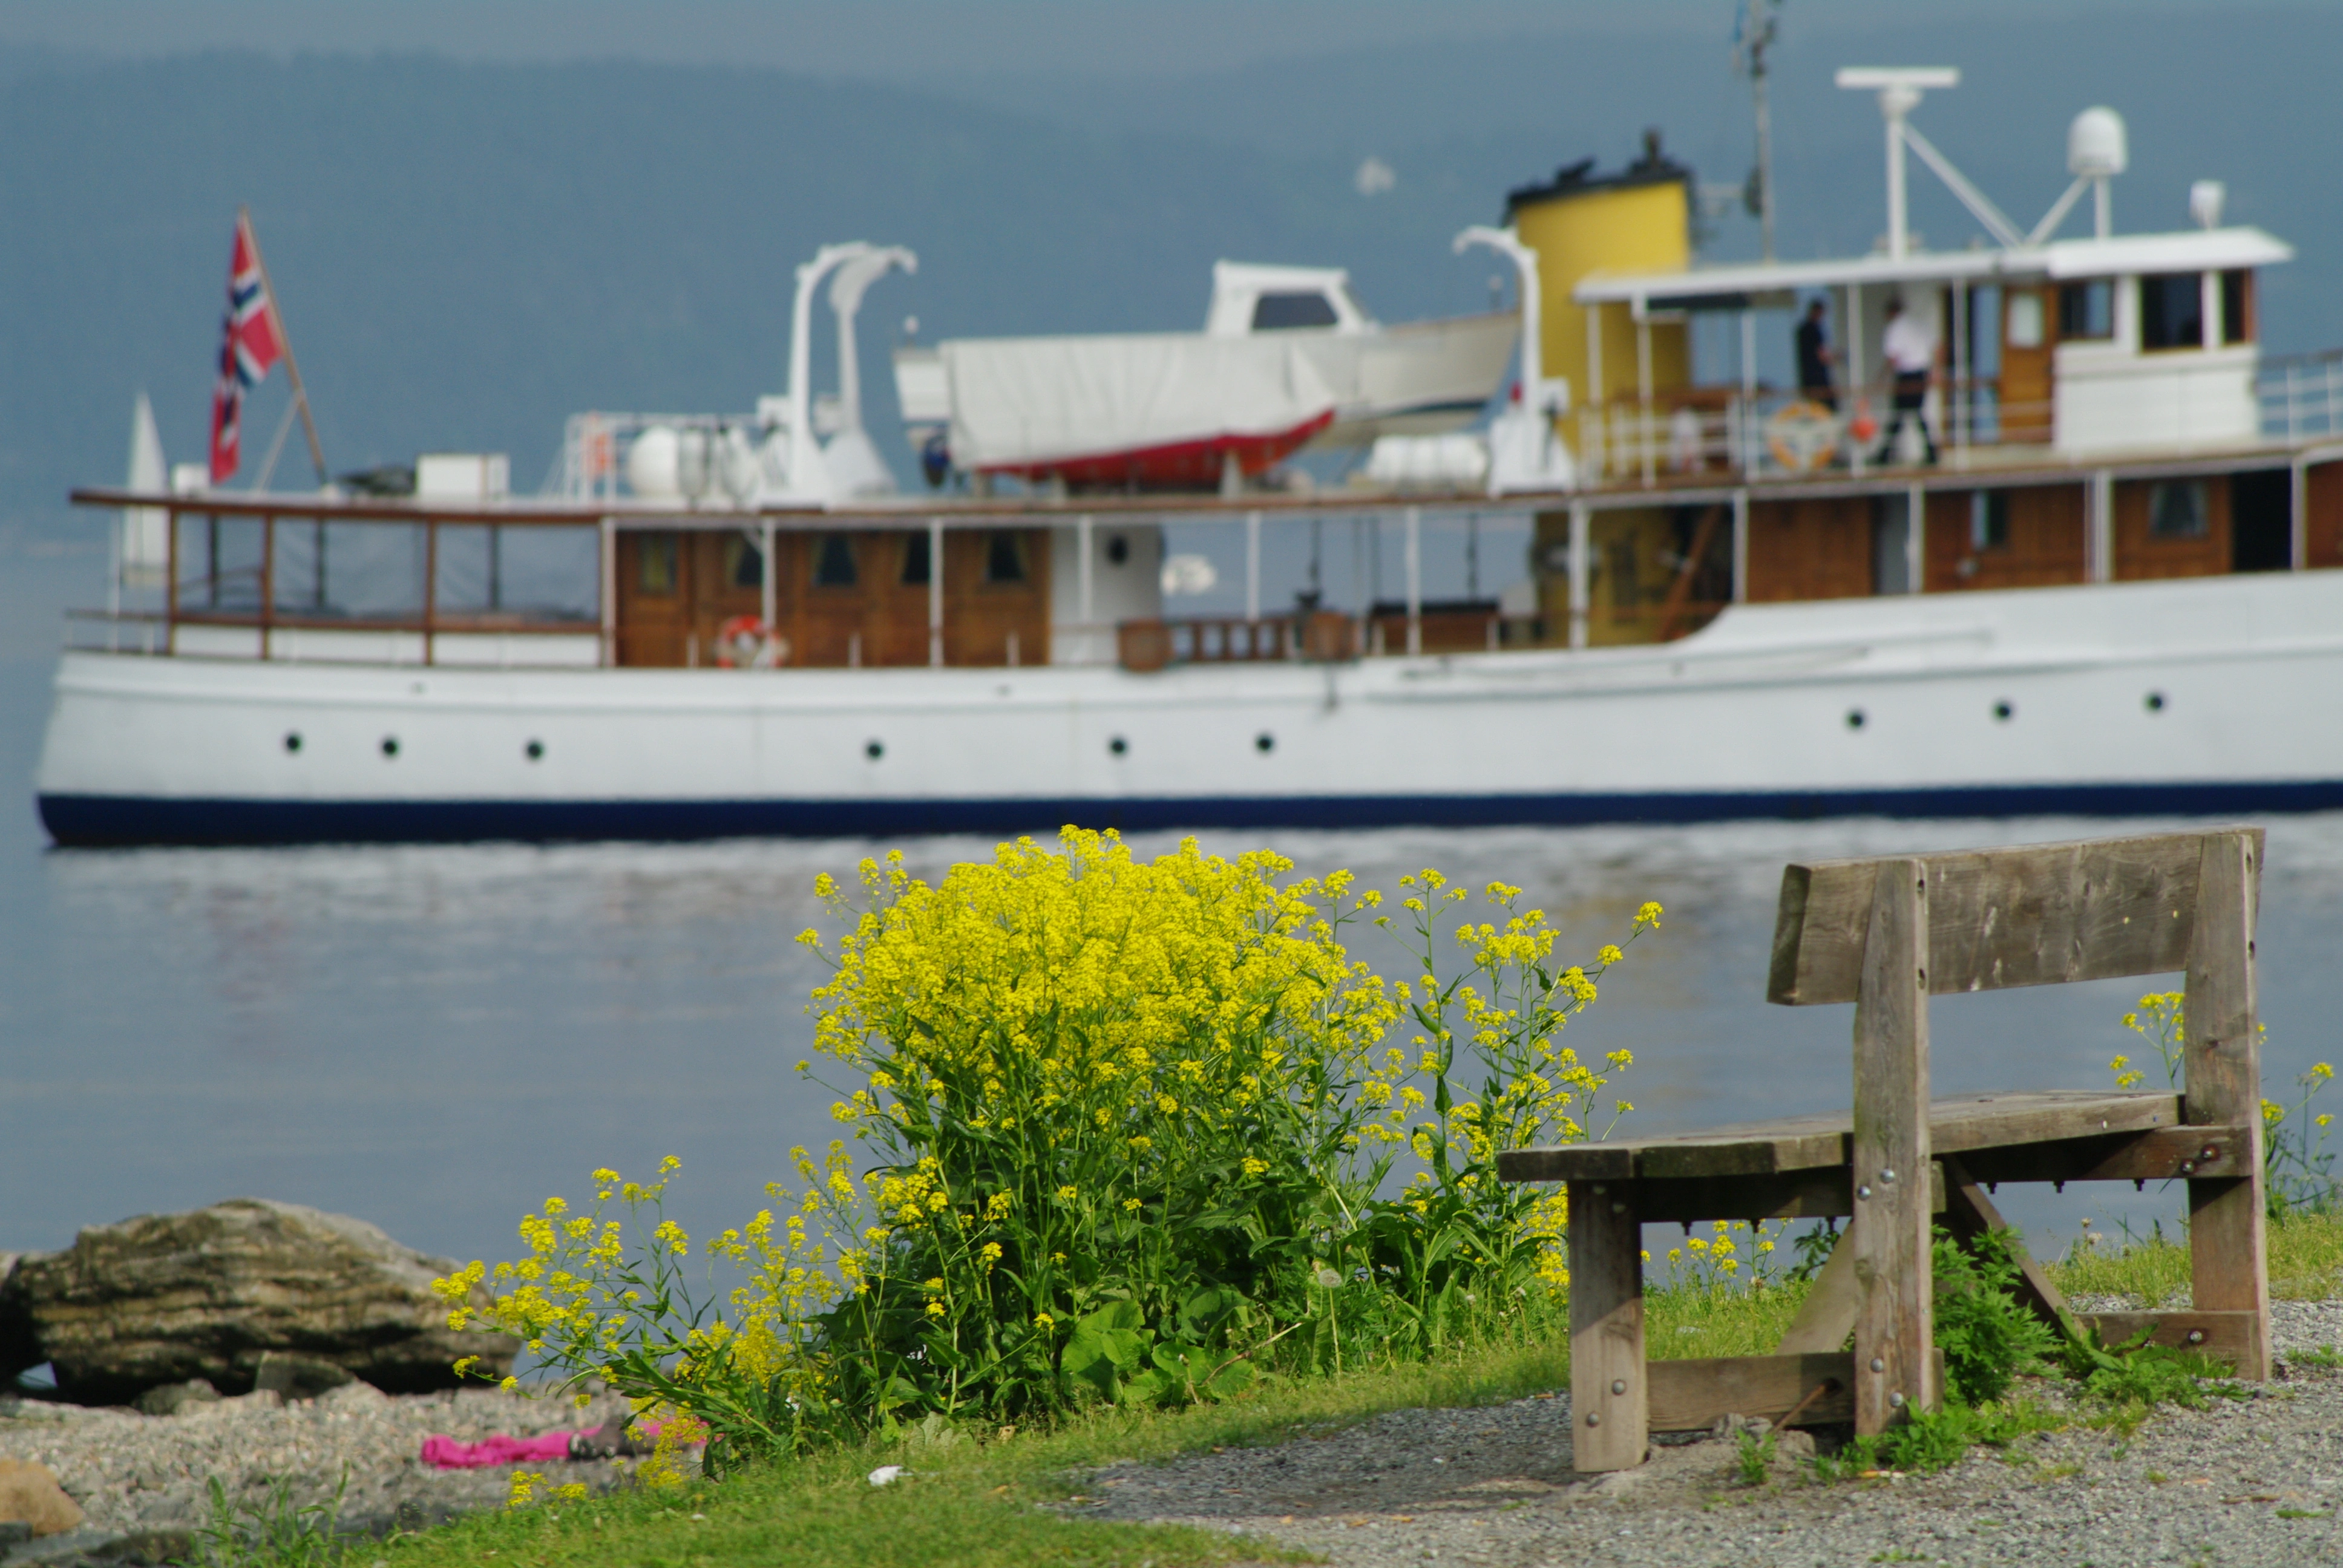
[{"x": 284, "y": 341}]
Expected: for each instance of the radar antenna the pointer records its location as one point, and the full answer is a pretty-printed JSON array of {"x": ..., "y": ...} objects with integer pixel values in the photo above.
[{"x": 1753, "y": 35}]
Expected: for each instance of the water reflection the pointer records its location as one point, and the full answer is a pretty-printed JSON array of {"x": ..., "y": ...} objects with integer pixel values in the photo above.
[{"x": 435, "y": 1038}]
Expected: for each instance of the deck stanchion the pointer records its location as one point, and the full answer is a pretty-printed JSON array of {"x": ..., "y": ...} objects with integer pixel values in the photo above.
[
  {"x": 267, "y": 578},
  {"x": 1084, "y": 577},
  {"x": 1856, "y": 387},
  {"x": 1414, "y": 581},
  {"x": 768, "y": 587},
  {"x": 2297, "y": 497},
  {"x": 1893, "y": 1373},
  {"x": 1916, "y": 539},
  {"x": 935, "y": 593},
  {"x": 1252, "y": 566},
  {"x": 430, "y": 587},
  {"x": 609, "y": 552},
  {"x": 171, "y": 586},
  {"x": 1740, "y": 547},
  {"x": 2221, "y": 1064},
  {"x": 1580, "y": 530},
  {"x": 2102, "y": 514}
]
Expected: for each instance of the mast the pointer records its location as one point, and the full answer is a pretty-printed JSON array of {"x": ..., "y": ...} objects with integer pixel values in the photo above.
[
  {"x": 284, "y": 342},
  {"x": 1753, "y": 35}
]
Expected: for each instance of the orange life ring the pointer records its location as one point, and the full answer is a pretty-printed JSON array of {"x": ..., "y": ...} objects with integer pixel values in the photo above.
[
  {"x": 1802, "y": 436},
  {"x": 745, "y": 641}
]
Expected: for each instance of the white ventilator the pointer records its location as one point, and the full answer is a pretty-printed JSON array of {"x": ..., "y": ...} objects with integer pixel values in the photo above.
[{"x": 144, "y": 542}]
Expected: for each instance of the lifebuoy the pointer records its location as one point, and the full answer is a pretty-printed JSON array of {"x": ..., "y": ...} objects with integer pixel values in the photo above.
[
  {"x": 1802, "y": 436},
  {"x": 747, "y": 642}
]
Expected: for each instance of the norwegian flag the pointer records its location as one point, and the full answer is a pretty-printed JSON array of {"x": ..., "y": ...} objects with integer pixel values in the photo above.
[{"x": 250, "y": 344}]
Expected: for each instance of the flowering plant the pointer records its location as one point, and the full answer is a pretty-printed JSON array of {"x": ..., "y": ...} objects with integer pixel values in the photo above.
[{"x": 1128, "y": 1130}]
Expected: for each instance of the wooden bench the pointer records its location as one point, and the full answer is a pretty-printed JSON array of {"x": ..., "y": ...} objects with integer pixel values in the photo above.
[{"x": 1886, "y": 934}]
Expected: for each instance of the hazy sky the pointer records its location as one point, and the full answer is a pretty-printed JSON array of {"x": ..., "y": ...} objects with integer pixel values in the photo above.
[{"x": 932, "y": 38}]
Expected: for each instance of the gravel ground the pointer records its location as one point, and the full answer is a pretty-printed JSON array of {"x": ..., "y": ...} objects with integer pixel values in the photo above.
[
  {"x": 2242, "y": 1483},
  {"x": 142, "y": 1480}
]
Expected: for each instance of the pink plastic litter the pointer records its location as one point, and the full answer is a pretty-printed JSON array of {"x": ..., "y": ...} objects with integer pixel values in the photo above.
[{"x": 447, "y": 1454}]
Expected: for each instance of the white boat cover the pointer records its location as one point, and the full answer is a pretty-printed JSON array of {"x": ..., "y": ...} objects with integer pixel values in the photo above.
[{"x": 1027, "y": 400}]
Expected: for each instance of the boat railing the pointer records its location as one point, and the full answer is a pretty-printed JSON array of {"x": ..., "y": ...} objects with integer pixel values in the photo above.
[
  {"x": 1773, "y": 433},
  {"x": 2301, "y": 397}
]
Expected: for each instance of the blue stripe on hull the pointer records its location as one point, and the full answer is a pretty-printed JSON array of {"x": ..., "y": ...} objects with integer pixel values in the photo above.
[{"x": 117, "y": 819}]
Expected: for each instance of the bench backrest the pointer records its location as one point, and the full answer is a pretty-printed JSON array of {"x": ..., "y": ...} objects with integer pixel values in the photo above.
[{"x": 2031, "y": 914}]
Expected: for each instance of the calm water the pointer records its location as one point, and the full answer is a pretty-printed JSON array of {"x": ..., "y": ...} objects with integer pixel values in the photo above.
[{"x": 435, "y": 1038}]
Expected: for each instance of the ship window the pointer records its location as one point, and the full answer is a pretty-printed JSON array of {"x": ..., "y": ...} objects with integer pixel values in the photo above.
[
  {"x": 1988, "y": 519},
  {"x": 1004, "y": 562},
  {"x": 2025, "y": 318},
  {"x": 744, "y": 563},
  {"x": 833, "y": 562},
  {"x": 655, "y": 562},
  {"x": 1275, "y": 312},
  {"x": 2172, "y": 310},
  {"x": 2237, "y": 306},
  {"x": 2177, "y": 509},
  {"x": 2087, "y": 309},
  {"x": 915, "y": 558}
]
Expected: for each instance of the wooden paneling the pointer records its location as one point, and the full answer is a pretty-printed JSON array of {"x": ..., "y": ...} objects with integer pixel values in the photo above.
[
  {"x": 1690, "y": 1395},
  {"x": 2141, "y": 555},
  {"x": 2045, "y": 548},
  {"x": 2032, "y": 914},
  {"x": 878, "y": 618},
  {"x": 1808, "y": 549},
  {"x": 2323, "y": 507}
]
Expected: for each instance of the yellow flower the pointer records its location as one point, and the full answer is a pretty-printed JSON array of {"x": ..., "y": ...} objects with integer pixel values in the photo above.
[
  {"x": 1255, "y": 1166},
  {"x": 1067, "y": 1194},
  {"x": 1044, "y": 1320}
]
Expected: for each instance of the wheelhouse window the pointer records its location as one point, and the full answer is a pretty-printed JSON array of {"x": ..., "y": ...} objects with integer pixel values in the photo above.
[
  {"x": 833, "y": 562},
  {"x": 1004, "y": 559},
  {"x": 2237, "y": 306},
  {"x": 915, "y": 560},
  {"x": 2087, "y": 309},
  {"x": 1277, "y": 312},
  {"x": 1989, "y": 520},
  {"x": 655, "y": 562},
  {"x": 2176, "y": 511},
  {"x": 2172, "y": 310}
]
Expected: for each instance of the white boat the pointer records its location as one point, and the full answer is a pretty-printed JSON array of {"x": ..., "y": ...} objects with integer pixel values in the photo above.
[
  {"x": 1288, "y": 359},
  {"x": 2118, "y": 591}
]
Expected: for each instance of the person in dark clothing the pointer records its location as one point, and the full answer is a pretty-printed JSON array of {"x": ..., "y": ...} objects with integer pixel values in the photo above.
[{"x": 1816, "y": 357}]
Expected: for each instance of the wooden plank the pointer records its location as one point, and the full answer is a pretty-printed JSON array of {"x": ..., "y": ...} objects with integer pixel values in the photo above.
[
  {"x": 1890, "y": 1231},
  {"x": 1610, "y": 1415},
  {"x": 2221, "y": 1056},
  {"x": 1827, "y": 1193},
  {"x": 1689, "y": 1395},
  {"x": 1956, "y": 1125},
  {"x": 1969, "y": 1213},
  {"x": 2164, "y": 1154},
  {"x": 2033, "y": 914},
  {"x": 2234, "y": 1337},
  {"x": 1827, "y": 1314}
]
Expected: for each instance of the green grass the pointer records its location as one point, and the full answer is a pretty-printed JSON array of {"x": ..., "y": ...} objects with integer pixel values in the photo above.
[
  {"x": 2306, "y": 1264},
  {"x": 978, "y": 1499}
]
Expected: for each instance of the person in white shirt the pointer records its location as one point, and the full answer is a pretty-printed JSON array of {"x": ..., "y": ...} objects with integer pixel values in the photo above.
[{"x": 1910, "y": 350}]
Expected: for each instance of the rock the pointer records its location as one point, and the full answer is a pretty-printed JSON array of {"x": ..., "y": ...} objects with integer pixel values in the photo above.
[
  {"x": 297, "y": 1377},
  {"x": 20, "y": 1345},
  {"x": 165, "y": 1297},
  {"x": 29, "y": 1493},
  {"x": 173, "y": 1397}
]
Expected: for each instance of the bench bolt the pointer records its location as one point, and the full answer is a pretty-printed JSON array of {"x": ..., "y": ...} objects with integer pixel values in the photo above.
[
  {"x": 1618, "y": 1385},
  {"x": 1863, "y": 1192},
  {"x": 1878, "y": 1365}
]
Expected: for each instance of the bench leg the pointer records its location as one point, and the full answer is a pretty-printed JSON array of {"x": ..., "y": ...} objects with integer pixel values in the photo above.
[
  {"x": 2222, "y": 1056},
  {"x": 1610, "y": 1397},
  {"x": 1894, "y": 1372}
]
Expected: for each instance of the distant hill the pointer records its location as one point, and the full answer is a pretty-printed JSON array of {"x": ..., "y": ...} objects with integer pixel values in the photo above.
[{"x": 467, "y": 253}]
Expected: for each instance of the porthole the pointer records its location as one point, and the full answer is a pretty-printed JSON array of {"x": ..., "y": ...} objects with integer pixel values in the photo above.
[
  {"x": 1118, "y": 746},
  {"x": 535, "y": 751},
  {"x": 1117, "y": 549},
  {"x": 2003, "y": 710},
  {"x": 391, "y": 746},
  {"x": 1855, "y": 720},
  {"x": 874, "y": 750},
  {"x": 293, "y": 742},
  {"x": 2156, "y": 702},
  {"x": 1264, "y": 743}
]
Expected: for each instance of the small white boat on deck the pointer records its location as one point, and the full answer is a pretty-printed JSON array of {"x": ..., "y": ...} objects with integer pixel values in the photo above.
[{"x": 1288, "y": 359}]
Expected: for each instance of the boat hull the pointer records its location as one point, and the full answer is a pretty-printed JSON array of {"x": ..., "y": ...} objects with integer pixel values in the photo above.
[{"x": 2208, "y": 695}]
